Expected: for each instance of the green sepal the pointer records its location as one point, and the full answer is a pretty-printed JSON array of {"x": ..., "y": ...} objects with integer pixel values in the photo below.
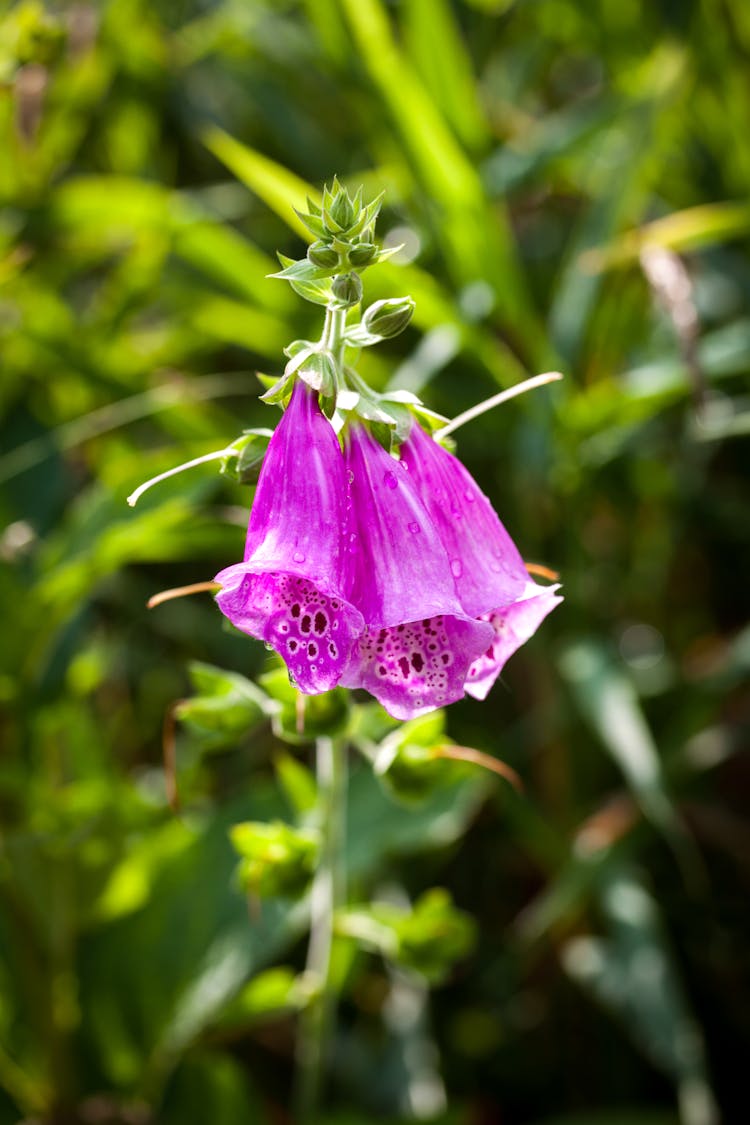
[
  {"x": 430, "y": 420},
  {"x": 280, "y": 391},
  {"x": 225, "y": 705},
  {"x": 313, "y": 223},
  {"x": 406, "y": 763},
  {"x": 319, "y": 372},
  {"x": 244, "y": 457},
  {"x": 297, "y": 346},
  {"x": 277, "y": 861},
  {"x": 318, "y": 292},
  {"x": 428, "y": 939},
  {"x": 300, "y": 720},
  {"x": 300, "y": 270}
]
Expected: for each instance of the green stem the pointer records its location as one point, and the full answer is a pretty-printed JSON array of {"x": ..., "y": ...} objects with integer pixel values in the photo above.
[
  {"x": 327, "y": 896},
  {"x": 333, "y": 334}
]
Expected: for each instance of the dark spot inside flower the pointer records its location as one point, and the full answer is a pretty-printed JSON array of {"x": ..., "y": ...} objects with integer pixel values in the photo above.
[
  {"x": 426, "y": 622},
  {"x": 306, "y": 623},
  {"x": 312, "y": 649},
  {"x": 417, "y": 661},
  {"x": 333, "y": 650},
  {"x": 403, "y": 664},
  {"x": 445, "y": 658},
  {"x": 292, "y": 646},
  {"x": 432, "y": 646},
  {"x": 381, "y": 669},
  {"x": 321, "y": 622},
  {"x": 382, "y": 635},
  {"x": 400, "y": 628},
  {"x": 334, "y": 605},
  {"x": 296, "y": 610}
]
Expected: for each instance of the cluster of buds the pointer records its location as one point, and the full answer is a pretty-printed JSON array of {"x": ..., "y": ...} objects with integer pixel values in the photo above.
[
  {"x": 329, "y": 275},
  {"x": 344, "y": 230}
]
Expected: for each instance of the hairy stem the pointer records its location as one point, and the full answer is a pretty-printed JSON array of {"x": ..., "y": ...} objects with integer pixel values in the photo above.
[
  {"x": 333, "y": 333},
  {"x": 327, "y": 896}
]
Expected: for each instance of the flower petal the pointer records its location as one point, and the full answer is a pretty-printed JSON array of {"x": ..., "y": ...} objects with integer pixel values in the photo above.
[
  {"x": 415, "y": 652},
  {"x": 513, "y": 625},
  {"x": 288, "y": 590},
  {"x": 485, "y": 562},
  {"x": 491, "y": 580}
]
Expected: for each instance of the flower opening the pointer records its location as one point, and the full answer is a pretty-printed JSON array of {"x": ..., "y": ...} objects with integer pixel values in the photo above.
[{"x": 418, "y": 643}]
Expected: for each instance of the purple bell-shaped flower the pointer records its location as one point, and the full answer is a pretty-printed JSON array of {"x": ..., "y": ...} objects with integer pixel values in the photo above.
[
  {"x": 418, "y": 643},
  {"x": 288, "y": 591},
  {"x": 491, "y": 581}
]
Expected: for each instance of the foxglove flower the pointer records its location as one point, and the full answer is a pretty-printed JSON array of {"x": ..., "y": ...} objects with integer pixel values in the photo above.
[
  {"x": 418, "y": 644},
  {"x": 491, "y": 581},
  {"x": 288, "y": 590}
]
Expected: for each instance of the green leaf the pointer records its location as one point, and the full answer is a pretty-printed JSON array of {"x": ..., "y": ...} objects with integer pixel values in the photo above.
[
  {"x": 245, "y": 457},
  {"x": 225, "y": 706},
  {"x": 277, "y": 860},
  {"x": 297, "y": 781},
  {"x": 632, "y": 973},
  {"x": 284, "y": 192}
]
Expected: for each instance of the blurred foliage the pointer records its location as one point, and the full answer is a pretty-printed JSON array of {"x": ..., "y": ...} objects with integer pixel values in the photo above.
[{"x": 570, "y": 184}]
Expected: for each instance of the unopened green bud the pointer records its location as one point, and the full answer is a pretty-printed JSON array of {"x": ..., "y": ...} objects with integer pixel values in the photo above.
[
  {"x": 388, "y": 318},
  {"x": 347, "y": 289},
  {"x": 341, "y": 210},
  {"x": 362, "y": 253},
  {"x": 322, "y": 256}
]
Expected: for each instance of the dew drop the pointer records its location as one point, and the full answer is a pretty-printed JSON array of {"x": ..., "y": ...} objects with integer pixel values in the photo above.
[
  {"x": 457, "y": 568},
  {"x": 298, "y": 556},
  {"x": 414, "y": 528},
  {"x": 267, "y": 646},
  {"x": 469, "y": 495},
  {"x": 350, "y": 476},
  {"x": 389, "y": 480}
]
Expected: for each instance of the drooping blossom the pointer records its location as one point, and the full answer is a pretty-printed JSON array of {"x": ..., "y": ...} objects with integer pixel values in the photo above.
[
  {"x": 418, "y": 643},
  {"x": 491, "y": 581},
  {"x": 288, "y": 591}
]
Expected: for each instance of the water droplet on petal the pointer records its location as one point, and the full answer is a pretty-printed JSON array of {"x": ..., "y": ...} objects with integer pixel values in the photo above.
[
  {"x": 457, "y": 568},
  {"x": 267, "y": 646},
  {"x": 469, "y": 495},
  {"x": 389, "y": 480},
  {"x": 414, "y": 528},
  {"x": 350, "y": 476},
  {"x": 298, "y": 556}
]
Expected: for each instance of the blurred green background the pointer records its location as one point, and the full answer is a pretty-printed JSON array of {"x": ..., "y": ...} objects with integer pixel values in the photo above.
[{"x": 570, "y": 183}]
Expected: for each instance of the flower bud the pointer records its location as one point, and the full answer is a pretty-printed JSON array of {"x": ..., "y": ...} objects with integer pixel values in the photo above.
[
  {"x": 341, "y": 210},
  {"x": 322, "y": 256},
  {"x": 388, "y": 318},
  {"x": 347, "y": 289},
  {"x": 362, "y": 254}
]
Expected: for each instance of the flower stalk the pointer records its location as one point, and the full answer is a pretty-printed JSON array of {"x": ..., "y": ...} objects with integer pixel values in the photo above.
[{"x": 327, "y": 897}]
